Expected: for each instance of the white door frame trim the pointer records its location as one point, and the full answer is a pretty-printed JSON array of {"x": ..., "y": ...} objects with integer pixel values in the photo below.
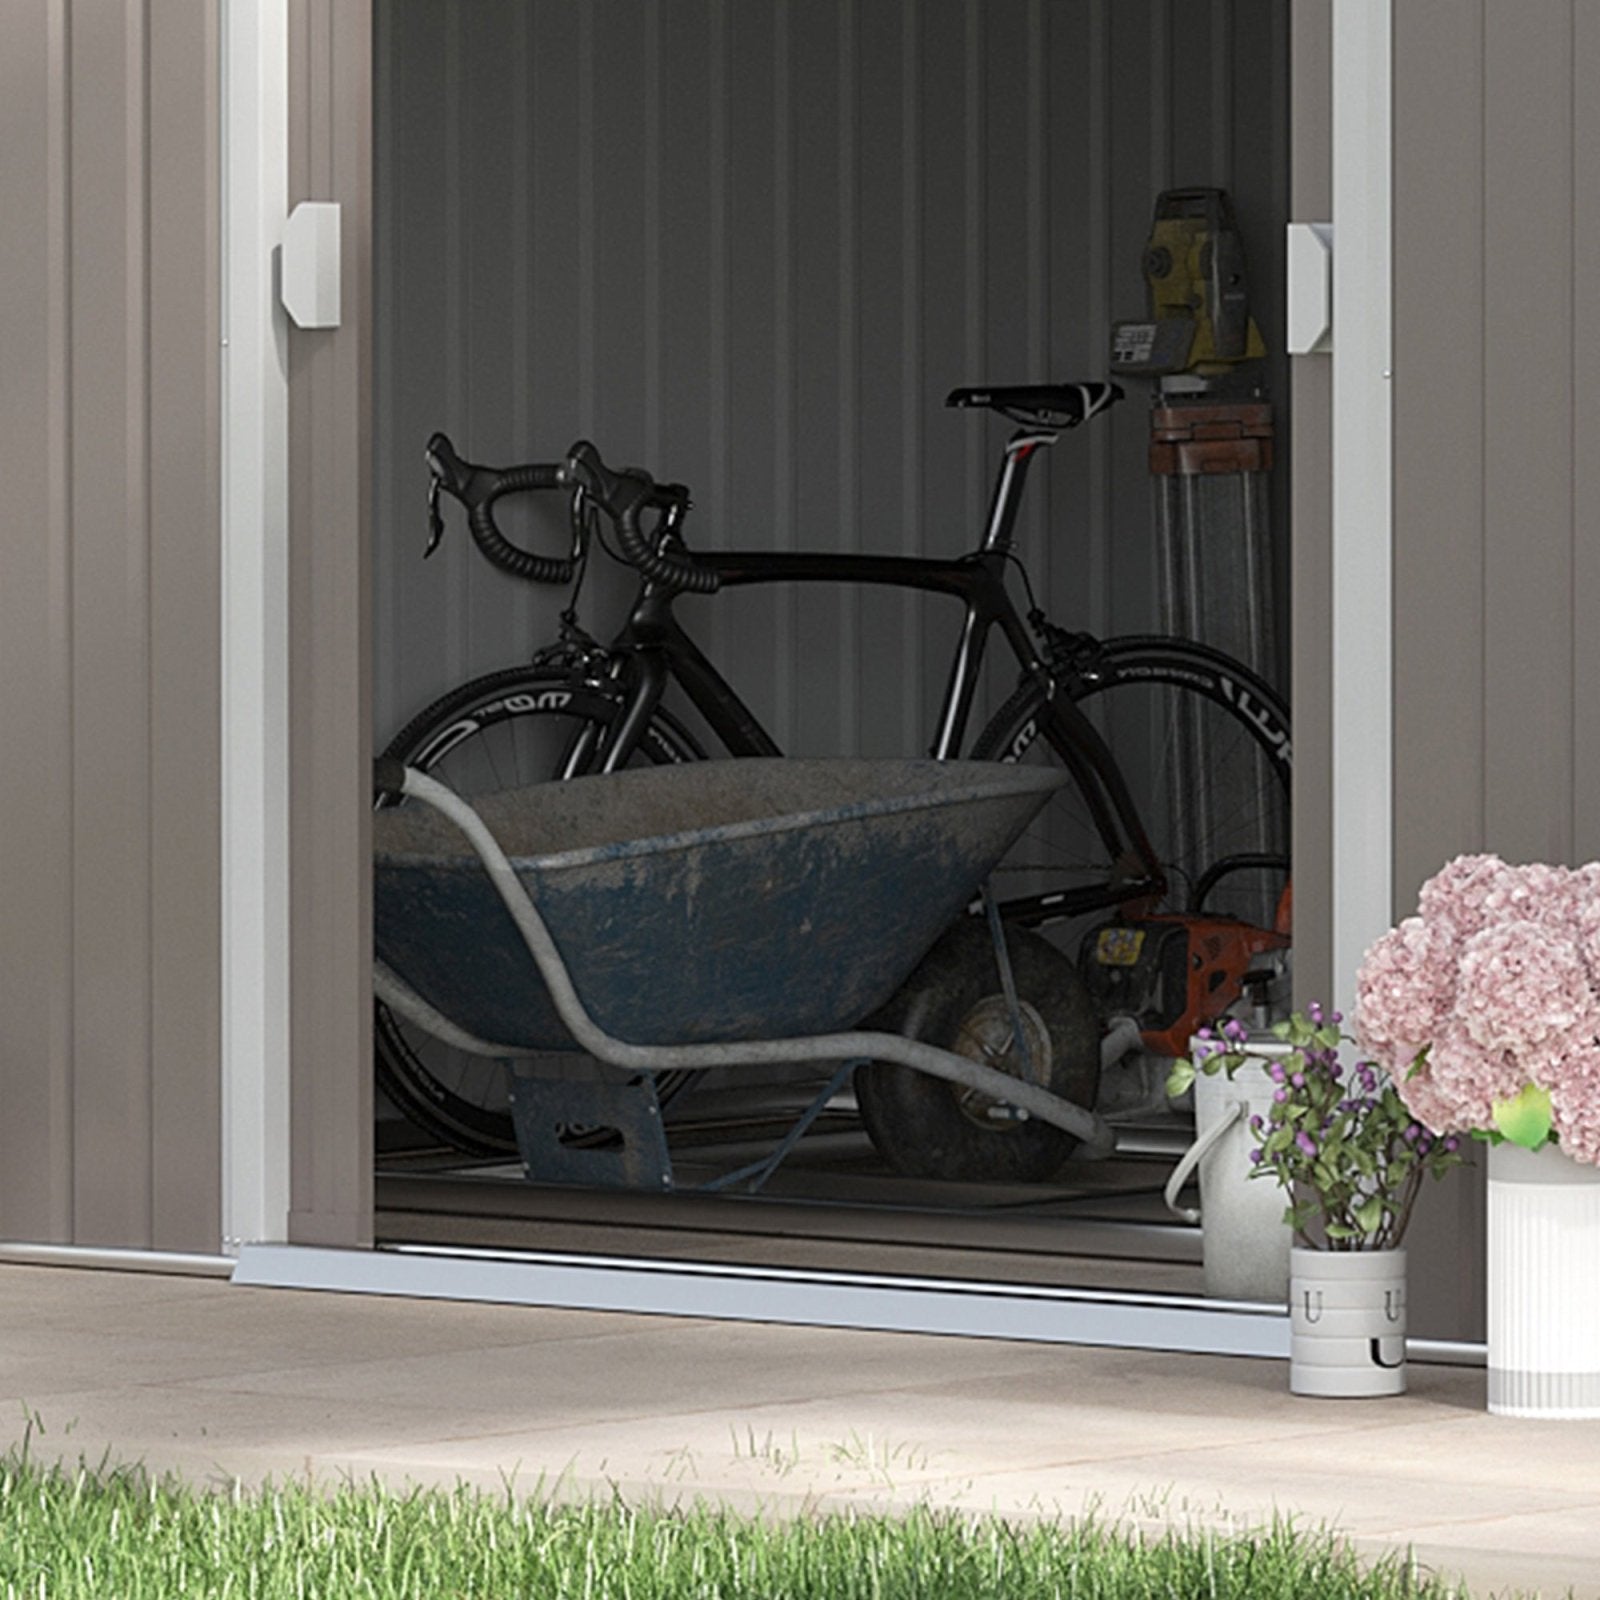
[
  {"x": 773, "y": 1294},
  {"x": 1363, "y": 431},
  {"x": 255, "y": 623}
]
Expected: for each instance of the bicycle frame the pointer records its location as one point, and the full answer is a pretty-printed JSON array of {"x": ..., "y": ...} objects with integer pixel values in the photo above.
[{"x": 652, "y": 650}]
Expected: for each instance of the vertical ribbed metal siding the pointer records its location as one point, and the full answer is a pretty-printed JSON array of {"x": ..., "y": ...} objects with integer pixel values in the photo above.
[
  {"x": 1496, "y": 571},
  {"x": 1496, "y": 567},
  {"x": 330, "y": 775},
  {"x": 109, "y": 619},
  {"x": 752, "y": 246}
]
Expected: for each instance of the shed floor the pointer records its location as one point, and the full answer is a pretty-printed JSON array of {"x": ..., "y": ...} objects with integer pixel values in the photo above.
[{"x": 834, "y": 1204}]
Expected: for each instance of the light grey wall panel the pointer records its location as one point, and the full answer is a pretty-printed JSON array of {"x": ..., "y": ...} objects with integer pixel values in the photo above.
[
  {"x": 1496, "y": 570},
  {"x": 109, "y": 862},
  {"x": 330, "y": 693},
  {"x": 36, "y": 1132},
  {"x": 1495, "y": 567},
  {"x": 751, "y": 244}
]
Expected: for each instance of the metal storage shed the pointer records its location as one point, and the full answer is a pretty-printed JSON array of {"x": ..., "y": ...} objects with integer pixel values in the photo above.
[{"x": 184, "y": 862}]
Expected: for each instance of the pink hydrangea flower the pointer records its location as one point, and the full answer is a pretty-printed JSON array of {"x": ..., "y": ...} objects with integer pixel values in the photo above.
[
  {"x": 1468, "y": 1079},
  {"x": 1532, "y": 893},
  {"x": 1404, "y": 989},
  {"x": 1499, "y": 977},
  {"x": 1432, "y": 1106},
  {"x": 1519, "y": 986},
  {"x": 1583, "y": 899},
  {"x": 1575, "y": 1102},
  {"x": 1453, "y": 899}
]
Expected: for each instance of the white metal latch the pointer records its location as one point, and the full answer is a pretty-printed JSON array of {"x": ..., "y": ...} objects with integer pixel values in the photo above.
[
  {"x": 310, "y": 258},
  {"x": 1310, "y": 296}
]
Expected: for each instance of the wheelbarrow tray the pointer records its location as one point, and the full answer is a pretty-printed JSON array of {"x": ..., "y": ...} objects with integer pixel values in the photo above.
[{"x": 704, "y": 903}]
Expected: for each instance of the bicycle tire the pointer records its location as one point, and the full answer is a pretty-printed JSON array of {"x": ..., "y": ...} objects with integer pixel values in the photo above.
[
  {"x": 501, "y": 731},
  {"x": 1204, "y": 744}
]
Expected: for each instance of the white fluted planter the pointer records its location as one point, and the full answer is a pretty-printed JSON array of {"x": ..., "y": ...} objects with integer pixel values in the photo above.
[
  {"x": 1544, "y": 1284},
  {"x": 1347, "y": 1322}
]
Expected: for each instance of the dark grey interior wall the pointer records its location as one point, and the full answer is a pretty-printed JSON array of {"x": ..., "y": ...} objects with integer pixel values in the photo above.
[{"x": 751, "y": 244}]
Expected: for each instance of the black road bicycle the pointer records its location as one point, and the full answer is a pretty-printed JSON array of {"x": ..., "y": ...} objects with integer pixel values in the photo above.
[{"x": 1180, "y": 758}]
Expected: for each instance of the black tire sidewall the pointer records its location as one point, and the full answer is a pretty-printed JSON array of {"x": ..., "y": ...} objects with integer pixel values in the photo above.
[
  {"x": 914, "y": 1119},
  {"x": 1257, "y": 707}
]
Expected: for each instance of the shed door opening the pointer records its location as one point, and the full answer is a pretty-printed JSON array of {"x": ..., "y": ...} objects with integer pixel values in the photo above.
[{"x": 753, "y": 248}]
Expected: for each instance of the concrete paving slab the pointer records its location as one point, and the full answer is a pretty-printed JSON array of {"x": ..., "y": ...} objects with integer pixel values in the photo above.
[
  {"x": 223, "y": 1383},
  {"x": 322, "y": 1326}
]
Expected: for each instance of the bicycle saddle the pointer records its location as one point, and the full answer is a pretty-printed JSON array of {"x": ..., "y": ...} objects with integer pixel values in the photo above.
[{"x": 1053, "y": 405}]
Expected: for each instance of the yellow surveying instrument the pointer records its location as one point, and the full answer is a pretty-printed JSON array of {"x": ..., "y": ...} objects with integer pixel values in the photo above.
[{"x": 1199, "y": 318}]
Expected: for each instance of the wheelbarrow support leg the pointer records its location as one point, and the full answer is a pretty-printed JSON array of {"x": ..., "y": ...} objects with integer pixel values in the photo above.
[{"x": 759, "y": 1171}]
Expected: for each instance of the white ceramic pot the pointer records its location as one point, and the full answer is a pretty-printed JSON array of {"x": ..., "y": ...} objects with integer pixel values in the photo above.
[
  {"x": 1347, "y": 1322},
  {"x": 1244, "y": 1241},
  {"x": 1543, "y": 1282}
]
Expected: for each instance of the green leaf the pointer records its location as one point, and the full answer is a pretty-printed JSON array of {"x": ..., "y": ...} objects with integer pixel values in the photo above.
[
  {"x": 1180, "y": 1079},
  {"x": 1370, "y": 1214},
  {"x": 1337, "y": 1230},
  {"x": 1525, "y": 1118},
  {"x": 1418, "y": 1062}
]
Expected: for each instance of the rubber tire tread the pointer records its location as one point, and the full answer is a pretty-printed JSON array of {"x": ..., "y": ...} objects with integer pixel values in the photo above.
[
  {"x": 914, "y": 1120},
  {"x": 1121, "y": 653}
]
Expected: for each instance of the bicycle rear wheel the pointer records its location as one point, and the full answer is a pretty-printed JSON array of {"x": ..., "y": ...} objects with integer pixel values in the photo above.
[
  {"x": 504, "y": 731},
  {"x": 1204, "y": 746}
]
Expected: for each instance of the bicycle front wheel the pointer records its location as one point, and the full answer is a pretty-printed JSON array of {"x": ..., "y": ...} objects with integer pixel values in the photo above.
[
  {"x": 1204, "y": 747},
  {"x": 504, "y": 731}
]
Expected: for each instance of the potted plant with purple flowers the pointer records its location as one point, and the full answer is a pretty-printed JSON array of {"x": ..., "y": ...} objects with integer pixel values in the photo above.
[{"x": 1351, "y": 1159}]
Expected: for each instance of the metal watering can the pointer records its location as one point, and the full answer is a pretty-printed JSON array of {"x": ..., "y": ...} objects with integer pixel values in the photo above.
[{"x": 1244, "y": 1240}]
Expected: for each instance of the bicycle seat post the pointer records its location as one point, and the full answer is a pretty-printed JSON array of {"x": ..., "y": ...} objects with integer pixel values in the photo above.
[{"x": 1008, "y": 487}]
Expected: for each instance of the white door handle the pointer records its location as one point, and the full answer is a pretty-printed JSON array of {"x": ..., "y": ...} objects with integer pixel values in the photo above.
[
  {"x": 1310, "y": 297},
  {"x": 310, "y": 279}
]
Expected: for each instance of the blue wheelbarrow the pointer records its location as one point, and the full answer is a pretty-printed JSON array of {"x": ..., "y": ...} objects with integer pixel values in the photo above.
[{"x": 714, "y": 914}]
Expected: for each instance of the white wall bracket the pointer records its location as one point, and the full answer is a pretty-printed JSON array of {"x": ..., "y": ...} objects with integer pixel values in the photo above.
[
  {"x": 1310, "y": 297},
  {"x": 310, "y": 283}
]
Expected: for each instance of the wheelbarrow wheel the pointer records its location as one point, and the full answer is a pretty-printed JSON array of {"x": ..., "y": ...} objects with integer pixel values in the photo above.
[
  {"x": 927, "y": 1127},
  {"x": 503, "y": 731}
]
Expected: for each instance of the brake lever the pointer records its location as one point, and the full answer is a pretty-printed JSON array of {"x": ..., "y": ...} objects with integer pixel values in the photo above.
[{"x": 435, "y": 520}]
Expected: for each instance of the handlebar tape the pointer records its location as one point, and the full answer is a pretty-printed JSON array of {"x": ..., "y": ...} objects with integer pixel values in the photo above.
[
  {"x": 477, "y": 488},
  {"x": 623, "y": 496}
]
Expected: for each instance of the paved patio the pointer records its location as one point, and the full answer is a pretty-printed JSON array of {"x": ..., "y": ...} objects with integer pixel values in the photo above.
[{"x": 220, "y": 1382}]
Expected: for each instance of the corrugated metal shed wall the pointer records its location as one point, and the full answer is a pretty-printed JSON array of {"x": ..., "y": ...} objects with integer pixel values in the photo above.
[
  {"x": 751, "y": 244},
  {"x": 109, "y": 615},
  {"x": 1496, "y": 564},
  {"x": 330, "y": 777},
  {"x": 1497, "y": 568}
]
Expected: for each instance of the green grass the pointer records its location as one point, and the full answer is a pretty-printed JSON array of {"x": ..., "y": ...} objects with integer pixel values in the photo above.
[{"x": 121, "y": 1534}]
